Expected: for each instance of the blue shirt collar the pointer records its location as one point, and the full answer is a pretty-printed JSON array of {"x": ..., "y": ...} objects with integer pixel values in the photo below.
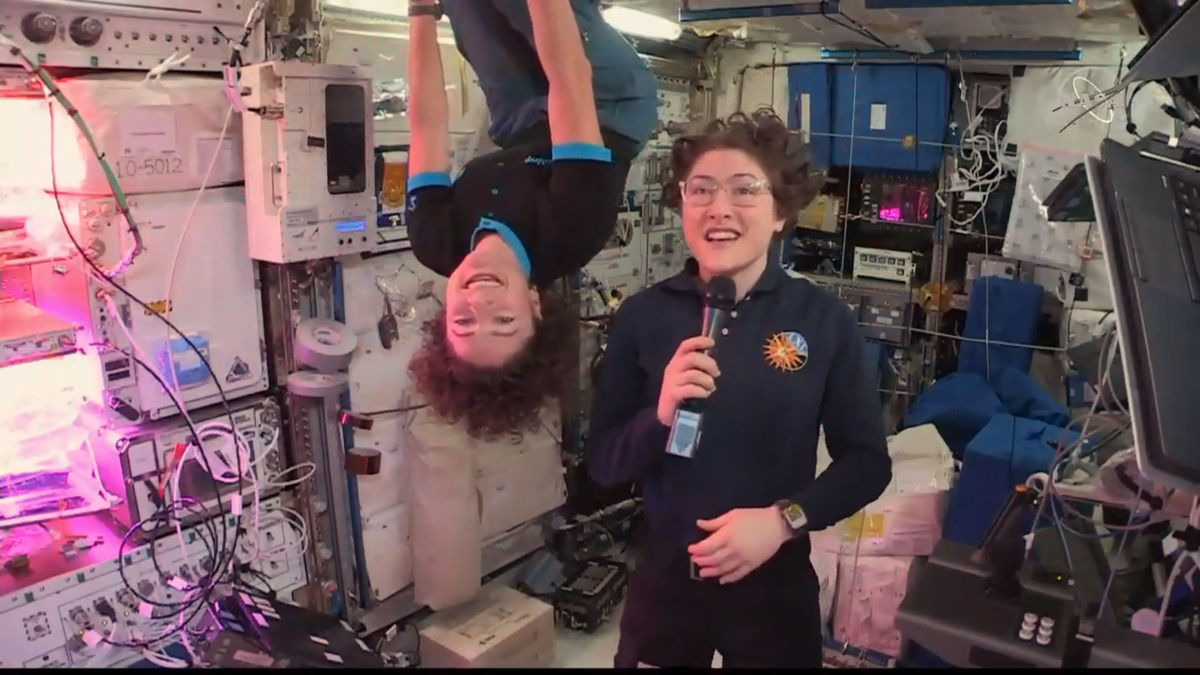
[{"x": 506, "y": 233}]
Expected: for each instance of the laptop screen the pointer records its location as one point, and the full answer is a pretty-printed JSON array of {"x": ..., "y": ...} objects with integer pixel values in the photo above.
[
  {"x": 1169, "y": 50},
  {"x": 1071, "y": 200},
  {"x": 1154, "y": 15}
]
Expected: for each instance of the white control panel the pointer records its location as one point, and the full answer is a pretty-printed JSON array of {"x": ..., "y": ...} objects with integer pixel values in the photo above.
[
  {"x": 213, "y": 299},
  {"x": 618, "y": 271},
  {"x": 148, "y": 457},
  {"x": 128, "y": 34},
  {"x": 877, "y": 263},
  {"x": 666, "y": 254},
  {"x": 45, "y": 623},
  {"x": 673, "y": 116},
  {"x": 309, "y": 148},
  {"x": 673, "y": 107}
]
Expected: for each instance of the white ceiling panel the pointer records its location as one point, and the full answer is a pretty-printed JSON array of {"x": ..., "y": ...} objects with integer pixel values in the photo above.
[{"x": 1096, "y": 21}]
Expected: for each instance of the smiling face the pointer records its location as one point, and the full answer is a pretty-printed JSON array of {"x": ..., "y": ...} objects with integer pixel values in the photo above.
[
  {"x": 491, "y": 310},
  {"x": 729, "y": 213}
]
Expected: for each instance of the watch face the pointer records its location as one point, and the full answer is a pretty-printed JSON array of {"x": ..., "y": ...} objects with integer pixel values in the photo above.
[{"x": 794, "y": 512}]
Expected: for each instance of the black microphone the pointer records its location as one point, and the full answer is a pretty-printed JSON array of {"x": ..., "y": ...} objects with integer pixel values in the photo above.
[{"x": 720, "y": 296}]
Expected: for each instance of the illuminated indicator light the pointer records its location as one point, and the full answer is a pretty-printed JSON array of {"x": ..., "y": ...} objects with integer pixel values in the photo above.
[
  {"x": 892, "y": 214},
  {"x": 352, "y": 226}
]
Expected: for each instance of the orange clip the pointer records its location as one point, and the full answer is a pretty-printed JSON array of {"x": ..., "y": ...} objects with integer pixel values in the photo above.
[{"x": 174, "y": 459}]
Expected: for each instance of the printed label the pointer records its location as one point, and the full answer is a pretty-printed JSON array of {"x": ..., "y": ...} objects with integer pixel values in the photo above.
[
  {"x": 225, "y": 152},
  {"x": 878, "y": 117},
  {"x": 147, "y": 131},
  {"x": 300, "y": 217},
  {"x": 148, "y": 166}
]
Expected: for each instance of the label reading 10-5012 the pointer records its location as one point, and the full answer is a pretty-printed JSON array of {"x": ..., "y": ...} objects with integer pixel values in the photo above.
[{"x": 134, "y": 167}]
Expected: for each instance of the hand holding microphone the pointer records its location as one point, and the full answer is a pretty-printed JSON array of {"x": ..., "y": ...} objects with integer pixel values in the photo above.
[
  {"x": 690, "y": 378},
  {"x": 691, "y": 374}
]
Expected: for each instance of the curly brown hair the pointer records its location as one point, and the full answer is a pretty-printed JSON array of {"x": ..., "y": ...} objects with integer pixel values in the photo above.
[
  {"x": 781, "y": 151},
  {"x": 492, "y": 402}
]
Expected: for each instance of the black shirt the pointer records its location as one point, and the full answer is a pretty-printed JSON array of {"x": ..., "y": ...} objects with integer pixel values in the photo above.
[
  {"x": 792, "y": 359},
  {"x": 555, "y": 205}
]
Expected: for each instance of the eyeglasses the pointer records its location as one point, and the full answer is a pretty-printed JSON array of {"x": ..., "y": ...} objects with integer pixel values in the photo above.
[{"x": 742, "y": 190}]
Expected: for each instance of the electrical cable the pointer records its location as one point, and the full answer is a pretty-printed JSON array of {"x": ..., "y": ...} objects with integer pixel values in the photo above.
[
  {"x": 1068, "y": 454},
  {"x": 1112, "y": 113},
  {"x": 144, "y": 360},
  {"x": 53, "y": 93},
  {"x": 136, "y": 300},
  {"x": 226, "y": 554},
  {"x": 187, "y": 222},
  {"x": 273, "y": 481},
  {"x": 394, "y": 411},
  {"x": 974, "y": 148},
  {"x": 167, "y": 513},
  {"x": 1073, "y": 450},
  {"x": 1177, "y": 568}
]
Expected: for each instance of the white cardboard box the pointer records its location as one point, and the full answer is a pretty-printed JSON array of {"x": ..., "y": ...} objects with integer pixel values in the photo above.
[{"x": 502, "y": 628}]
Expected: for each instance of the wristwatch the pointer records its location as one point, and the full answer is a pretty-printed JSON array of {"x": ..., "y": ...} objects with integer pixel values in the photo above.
[
  {"x": 433, "y": 9},
  {"x": 793, "y": 515}
]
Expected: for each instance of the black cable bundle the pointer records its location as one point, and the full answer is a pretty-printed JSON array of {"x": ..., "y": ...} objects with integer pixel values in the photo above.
[
  {"x": 169, "y": 511},
  {"x": 221, "y": 549}
]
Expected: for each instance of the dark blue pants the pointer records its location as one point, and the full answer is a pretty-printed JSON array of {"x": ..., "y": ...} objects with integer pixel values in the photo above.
[
  {"x": 496, "y": 38},
  {"x": 769, "y": 619}
]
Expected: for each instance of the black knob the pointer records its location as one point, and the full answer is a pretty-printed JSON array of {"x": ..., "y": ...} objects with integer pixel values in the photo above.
[
  {"x": 86, "y": 31},
  {"x": 39, "y": 28}
]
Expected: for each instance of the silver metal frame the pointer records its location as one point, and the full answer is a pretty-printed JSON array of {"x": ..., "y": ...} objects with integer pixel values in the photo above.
[{"x": 295, "y": 293}]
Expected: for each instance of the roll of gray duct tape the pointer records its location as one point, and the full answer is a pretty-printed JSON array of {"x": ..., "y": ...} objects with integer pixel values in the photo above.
[
  {"x": 307, "y": 384},
  {"x": 324, "y": 345}
]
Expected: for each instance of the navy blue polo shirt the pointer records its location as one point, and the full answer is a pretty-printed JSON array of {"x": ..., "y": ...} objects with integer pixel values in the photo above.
[
  {"x": 496, "y": 38},
  {"x": 791, "y": 360},
  {"x": 556, "y": 206}
]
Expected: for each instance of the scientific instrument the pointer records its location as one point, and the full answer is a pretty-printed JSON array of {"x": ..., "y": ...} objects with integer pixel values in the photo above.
[
  {"x": 129, "y": 34},
  {"x": 309, "y": 146}
]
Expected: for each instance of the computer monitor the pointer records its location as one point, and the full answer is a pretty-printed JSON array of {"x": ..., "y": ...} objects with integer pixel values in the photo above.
[
  {"x": 1156, "y": 318},
  {"x": 1071, "y": 201},
  {"x": 1171, "y": 50}
]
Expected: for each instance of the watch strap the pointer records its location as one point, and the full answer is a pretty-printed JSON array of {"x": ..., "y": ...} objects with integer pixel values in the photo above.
[
  {"x": 793, "y": 515},
  {"x": 432, "y": 9}
]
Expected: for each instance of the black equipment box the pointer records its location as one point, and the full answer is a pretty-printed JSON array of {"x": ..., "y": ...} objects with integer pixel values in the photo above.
[
  {"x": 254, "y": 632},
  {"x": 586, "y": 601}
]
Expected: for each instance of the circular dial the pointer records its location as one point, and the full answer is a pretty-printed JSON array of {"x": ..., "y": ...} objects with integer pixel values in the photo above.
[
  {"x": 86, "y": 31},
  {"x": 39, "y": 27}
]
